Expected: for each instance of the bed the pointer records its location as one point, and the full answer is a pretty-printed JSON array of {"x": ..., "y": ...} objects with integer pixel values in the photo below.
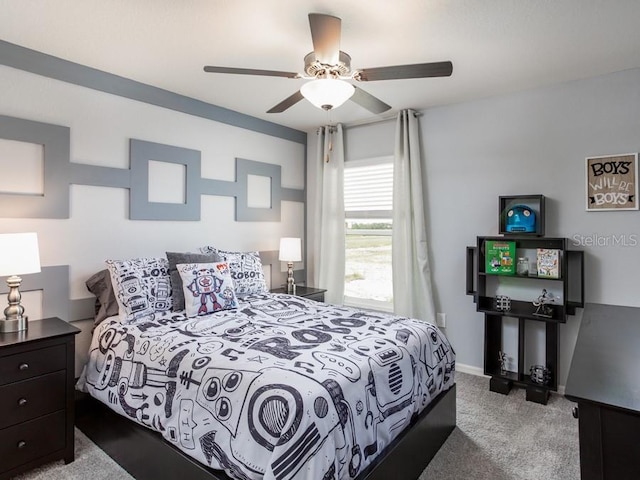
[{"x": 278, "y": 387}]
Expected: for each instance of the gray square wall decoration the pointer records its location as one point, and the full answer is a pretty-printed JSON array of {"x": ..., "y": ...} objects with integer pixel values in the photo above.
[
  {"x": 245, "y": 213},
  {"x": 140, "y": 206},
  {"x": 54, "y": 203}
]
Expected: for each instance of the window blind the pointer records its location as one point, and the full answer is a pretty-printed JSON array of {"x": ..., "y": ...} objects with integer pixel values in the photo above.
[{"x": 368, "y": 190}]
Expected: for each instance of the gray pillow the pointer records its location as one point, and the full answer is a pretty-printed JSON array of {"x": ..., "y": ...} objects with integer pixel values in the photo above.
[
  {"x": 176, "y": 282},
  {"x": 106, "y": 303}
]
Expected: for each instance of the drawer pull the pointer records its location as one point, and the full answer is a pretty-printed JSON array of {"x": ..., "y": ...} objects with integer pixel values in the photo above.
[
  {"x": 22, "y": 402},
  {"x": 24, "y": 366},
  {"x": 22, "y": 444},
  {"x": 575, "y": 412}
]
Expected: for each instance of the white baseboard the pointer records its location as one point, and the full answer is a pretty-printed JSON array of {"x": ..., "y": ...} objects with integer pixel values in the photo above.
[{"x": 471, "y": 370}]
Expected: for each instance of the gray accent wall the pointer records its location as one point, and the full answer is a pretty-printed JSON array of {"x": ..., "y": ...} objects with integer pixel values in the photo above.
[{"x": 97, "y": 201}]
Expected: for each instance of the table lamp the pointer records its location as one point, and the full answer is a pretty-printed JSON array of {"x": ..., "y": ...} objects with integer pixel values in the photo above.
[
  {"x": 19, "y": 255},
  {"x": 290, "y": 251}
]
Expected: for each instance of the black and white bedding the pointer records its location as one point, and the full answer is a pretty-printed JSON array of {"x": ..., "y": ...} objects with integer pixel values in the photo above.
[{"x": 281, "y": 388}]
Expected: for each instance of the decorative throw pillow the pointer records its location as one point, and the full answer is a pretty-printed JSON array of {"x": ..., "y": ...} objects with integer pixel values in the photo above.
[
  {"x": 106, "y": 302},
  {"x": 142, "y": 287},
  {"x": 207, "y": 288},
  {"x": 175, "y": 258},
  {"x": 246, "y": 270}
]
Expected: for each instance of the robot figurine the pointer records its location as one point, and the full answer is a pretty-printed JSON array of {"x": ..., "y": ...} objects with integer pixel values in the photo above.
[
  {"x": 540, "y": 374},
  {"x": 502, "y": 360},
  {"x": 543, "y": 304}
]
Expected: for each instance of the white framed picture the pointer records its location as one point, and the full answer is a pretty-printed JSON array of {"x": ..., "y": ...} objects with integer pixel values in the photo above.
[{"x": 612, "y": 182}]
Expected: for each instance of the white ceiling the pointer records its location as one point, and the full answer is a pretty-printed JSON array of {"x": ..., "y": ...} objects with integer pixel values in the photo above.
[{"x": 496, "y": 46}]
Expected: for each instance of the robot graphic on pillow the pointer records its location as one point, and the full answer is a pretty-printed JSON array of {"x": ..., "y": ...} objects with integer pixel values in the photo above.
[{"x": 206, "y": 285}]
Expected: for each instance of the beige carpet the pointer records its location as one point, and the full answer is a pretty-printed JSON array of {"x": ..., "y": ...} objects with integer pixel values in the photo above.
[
  {"x": 498, "y": 437},
  {"x": 504, "y": 437}
]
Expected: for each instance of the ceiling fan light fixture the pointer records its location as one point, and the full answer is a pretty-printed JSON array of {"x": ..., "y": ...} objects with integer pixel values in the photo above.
[{"x": 327, "y": 93}]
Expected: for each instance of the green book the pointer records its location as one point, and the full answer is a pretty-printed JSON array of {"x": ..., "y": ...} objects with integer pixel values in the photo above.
[{"x": 500, "y": 257}]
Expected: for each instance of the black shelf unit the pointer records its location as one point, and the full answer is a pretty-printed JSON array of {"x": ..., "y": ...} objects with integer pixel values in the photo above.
[{"x": 570, "y": 281}]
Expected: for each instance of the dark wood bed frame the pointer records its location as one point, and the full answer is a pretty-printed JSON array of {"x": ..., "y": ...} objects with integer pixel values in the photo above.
[{"x": 147, "y": 456}]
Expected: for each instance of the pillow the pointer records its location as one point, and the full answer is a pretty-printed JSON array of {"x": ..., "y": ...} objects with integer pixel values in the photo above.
[
  {"x": 142, "y": 287},
  {"x": 246, "y": 270},
  {"x": 207, "y": 288},
  {"x": 175, "y": 258},
  {"x": 106, "y": 303}
]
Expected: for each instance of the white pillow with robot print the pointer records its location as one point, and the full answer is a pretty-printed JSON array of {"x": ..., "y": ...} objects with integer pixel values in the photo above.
[
  {"x": 208, "y": 288},
  {"x": 142, "y": 287}
]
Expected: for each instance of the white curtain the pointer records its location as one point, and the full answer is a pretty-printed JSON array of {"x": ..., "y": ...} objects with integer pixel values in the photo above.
[
  {"x": 330, "y": 242},
  {"x": 412, "y": 292}
]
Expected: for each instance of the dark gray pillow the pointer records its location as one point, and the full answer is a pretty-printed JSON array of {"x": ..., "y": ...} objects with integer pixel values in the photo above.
[
  {"x": 176, "y": 282},
  {"x": 106, "y": 304}
]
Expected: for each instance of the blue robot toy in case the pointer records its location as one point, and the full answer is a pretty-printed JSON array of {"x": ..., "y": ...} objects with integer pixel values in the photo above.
[{"x": 520, "y": 219}]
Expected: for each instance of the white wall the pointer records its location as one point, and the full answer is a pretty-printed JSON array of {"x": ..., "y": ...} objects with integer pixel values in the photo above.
[
  {"x": 101, "y": 126},
  {"x": 532, "y": 142}
]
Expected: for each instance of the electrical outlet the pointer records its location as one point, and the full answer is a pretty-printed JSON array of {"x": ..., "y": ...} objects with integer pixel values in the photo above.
[{"x": 441, "y": 319}]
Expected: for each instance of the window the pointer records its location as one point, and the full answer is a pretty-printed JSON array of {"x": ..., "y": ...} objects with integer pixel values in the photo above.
[{"x": 368, "y": 199}]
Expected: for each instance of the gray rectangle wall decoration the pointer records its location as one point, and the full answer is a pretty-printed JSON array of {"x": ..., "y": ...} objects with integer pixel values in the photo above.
[{"x": 60, "y": 172}]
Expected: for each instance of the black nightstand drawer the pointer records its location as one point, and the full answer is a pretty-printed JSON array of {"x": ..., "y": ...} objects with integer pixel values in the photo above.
[
  {"x": 30, "y": 364},
  {"x": 21, "y": 401},
  {"x": 31, "y": 440}
]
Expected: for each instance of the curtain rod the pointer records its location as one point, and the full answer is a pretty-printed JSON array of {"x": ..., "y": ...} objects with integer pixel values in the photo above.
[{"x": 379, "y": 119}]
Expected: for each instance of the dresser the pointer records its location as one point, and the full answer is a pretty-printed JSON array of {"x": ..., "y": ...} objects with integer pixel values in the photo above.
[
  {"x": 604, "y": 380},
  {"x": 36, "y": 396}
]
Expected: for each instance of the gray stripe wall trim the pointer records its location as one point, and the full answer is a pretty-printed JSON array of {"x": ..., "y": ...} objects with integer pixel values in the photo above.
[{"x": 23, "y": 58}]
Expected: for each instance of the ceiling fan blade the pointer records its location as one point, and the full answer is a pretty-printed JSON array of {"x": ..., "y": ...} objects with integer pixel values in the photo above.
[
  {"x": 286, "y": 103},
  {"x": 325, "y": 34},
  {"x": 368, "y": 101},
  {"x": 250, "y": 71},
  {"x": 418, "y": 70}
]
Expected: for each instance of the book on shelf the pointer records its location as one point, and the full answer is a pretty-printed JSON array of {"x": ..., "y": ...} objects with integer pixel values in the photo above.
[
  {"x": 548, "y": 263},
  {"x": 500, "y": 257}
]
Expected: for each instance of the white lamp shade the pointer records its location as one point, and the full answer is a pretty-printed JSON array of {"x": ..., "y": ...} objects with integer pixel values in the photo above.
[
  {"x": 327, "y": 93},
  {"x": 290, "y": 249},
  {"x": 19, "y": 254}
]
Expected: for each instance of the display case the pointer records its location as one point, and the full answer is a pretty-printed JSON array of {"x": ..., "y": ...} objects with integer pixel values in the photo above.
[
  {"x": 529, "y": 297},
  {"x": 521, "y": 215}
]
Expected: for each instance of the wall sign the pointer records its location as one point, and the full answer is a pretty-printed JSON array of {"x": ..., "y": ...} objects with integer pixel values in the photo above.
[{"x": 612, "y": 182}]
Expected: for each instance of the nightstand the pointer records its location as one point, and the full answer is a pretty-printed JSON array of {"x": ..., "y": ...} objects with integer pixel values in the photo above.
[
  {"x": 316, "y": 294},
  {"x": 36, "y": 396}
]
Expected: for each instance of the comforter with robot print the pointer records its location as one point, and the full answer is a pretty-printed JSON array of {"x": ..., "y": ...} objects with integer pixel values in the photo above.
[{"x": 281, "y": 388}]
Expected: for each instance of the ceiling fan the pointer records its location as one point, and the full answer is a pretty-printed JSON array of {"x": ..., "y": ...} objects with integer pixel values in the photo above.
[{"x": 328, "y": 68}]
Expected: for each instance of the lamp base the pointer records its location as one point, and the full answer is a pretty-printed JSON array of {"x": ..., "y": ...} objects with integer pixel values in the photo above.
[
  {"x": 14, "y": 318},
  {"x": 291, "y": 284},
  {"x": 14, "y": 325}
]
